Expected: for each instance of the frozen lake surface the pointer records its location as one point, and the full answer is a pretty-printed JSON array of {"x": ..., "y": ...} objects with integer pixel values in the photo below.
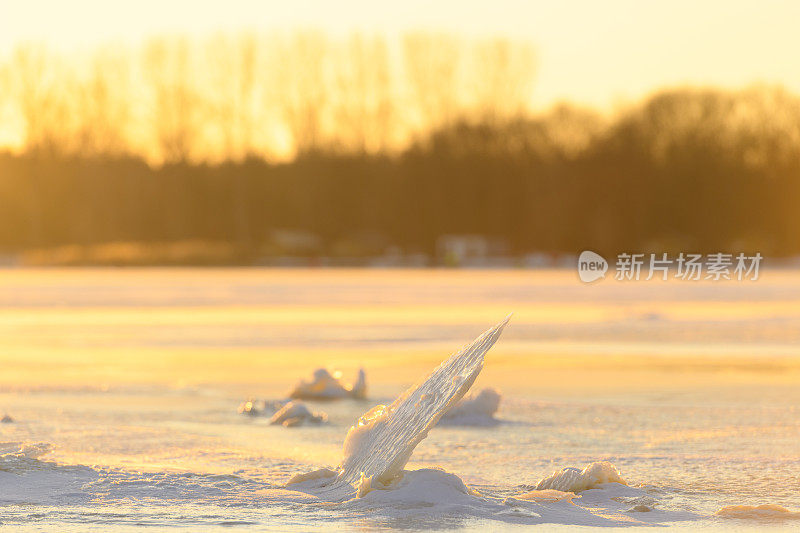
[{"x": 123, "y": 385}]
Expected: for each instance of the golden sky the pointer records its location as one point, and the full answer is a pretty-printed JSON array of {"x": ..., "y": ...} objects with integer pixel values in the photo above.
[{"x": 597, "y": 53}]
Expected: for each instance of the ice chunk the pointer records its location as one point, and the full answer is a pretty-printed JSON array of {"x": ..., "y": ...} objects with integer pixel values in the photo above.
[
  {"x": 575, "y": 480},
  {"x": 253, "y": 407},
  {"x": 323, "y": 474},
  {"x": 758, "y": 512},
  {"x": 379, "y": 445},
  {"x": 250, "y": 408},
  {"x": 359, "y": 389},
  {"x": 325, "y": 385},
  {"x": 296, "y": 413},
  {"x": 474, "y": 410}
]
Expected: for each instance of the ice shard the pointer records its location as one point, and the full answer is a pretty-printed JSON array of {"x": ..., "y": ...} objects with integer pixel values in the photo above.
[{"x": 380, "y": 444}]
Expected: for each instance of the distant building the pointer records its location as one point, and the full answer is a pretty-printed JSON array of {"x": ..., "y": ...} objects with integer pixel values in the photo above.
[
  {"x": 8, "y": 260},
  {"x": 296, "y": 242},
  {"x": 468, "y": 250}
]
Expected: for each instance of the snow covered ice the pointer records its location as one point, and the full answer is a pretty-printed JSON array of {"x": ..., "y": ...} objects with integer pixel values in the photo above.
[{"x": 707, "y": 458}]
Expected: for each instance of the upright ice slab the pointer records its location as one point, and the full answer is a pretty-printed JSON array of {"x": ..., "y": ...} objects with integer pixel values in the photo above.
[{"x": 379, "y": 445}]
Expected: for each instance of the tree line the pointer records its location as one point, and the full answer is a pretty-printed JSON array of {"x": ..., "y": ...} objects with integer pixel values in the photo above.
[
  {"x": 693, "y": 170},
  {"x": 687, "y": 170},
  {"x": 275, "y": 96}
]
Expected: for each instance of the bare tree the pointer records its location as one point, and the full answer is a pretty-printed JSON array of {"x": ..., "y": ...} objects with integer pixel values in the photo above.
[
  {"x": 102, "y": 108},
  {"x": 303, "y": 91},
  {"x": 365, "y": 101},
  {"x": 40, "y": 96},
  {"x": 300, "y": 87},
  {"x": 432, "y": 68},
  {"x": 502, "y": 78},
  {"x": 168, "y": 67},
  {"x": 232, "y": 68}
]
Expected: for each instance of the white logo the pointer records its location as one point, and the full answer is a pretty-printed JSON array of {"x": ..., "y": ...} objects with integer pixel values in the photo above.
[{"x": 591, "y": 266}]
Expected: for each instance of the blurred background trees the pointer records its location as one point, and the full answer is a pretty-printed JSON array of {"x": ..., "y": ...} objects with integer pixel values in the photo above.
[{"x": 240, "y": 144}]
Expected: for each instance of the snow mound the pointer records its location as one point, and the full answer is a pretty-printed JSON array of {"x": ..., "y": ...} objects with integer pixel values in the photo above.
[
  {"x": 295, "y": 413},
  {"x": 609, "y": 504},
  {"x": 325, "y": 385},
  {"x": 312, "y": 479},
  {"x": 27, "y": 479},
  {"x": 425, "y": 497},
  {"x": 572, "y": 479},
  {"x": 421, "y": 488},
  {"x": 18, "y": 453},
  {"x": 758, "y": 512},
  {"x": 474, "y": 410}
]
